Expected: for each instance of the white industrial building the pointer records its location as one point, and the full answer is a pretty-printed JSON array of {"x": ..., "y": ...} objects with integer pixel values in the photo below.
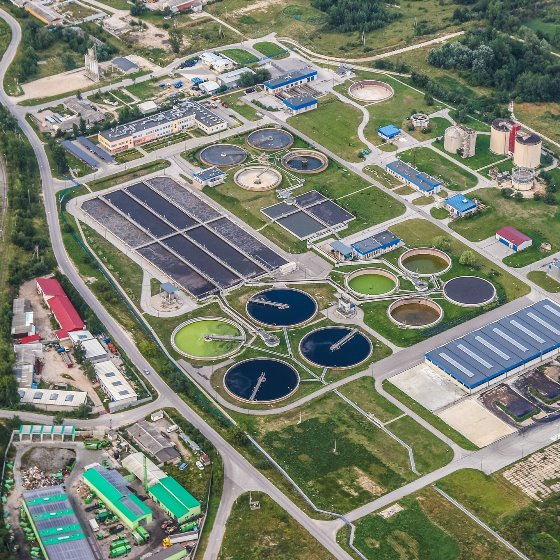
[
  {"x": 138, "y": 464},
  {"x": 49, "y": 399},
  {"x": 94, "y": 351},
  {"x": 113, "y": 383},
  {"x": 217, "y": 62}
]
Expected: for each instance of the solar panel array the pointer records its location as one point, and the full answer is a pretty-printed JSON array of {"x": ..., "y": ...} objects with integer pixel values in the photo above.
[
  {"x": 502, "y": 346},
  {"x": 58, "y": 527},
  {"x": 190, "y": 241},
  {"x": 309, "y": 215}
]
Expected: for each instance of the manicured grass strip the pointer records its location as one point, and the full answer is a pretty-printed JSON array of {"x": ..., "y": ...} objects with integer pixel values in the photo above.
[
  {"x": 439, "y": 213},
  {"x": 423, "y": 200},
  {"x": 424, "y": 413},
  {"x": 241, "y": 56},
  {"x": 429, "y": 161},
  {"x": 483, "y": 156},
  {"x": 272, "y": 50},
  {"x": 543, "y": 280},
  {"x": 128, "y": 175}
]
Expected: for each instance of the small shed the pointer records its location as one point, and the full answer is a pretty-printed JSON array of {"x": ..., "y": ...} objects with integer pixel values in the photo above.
[
  {"x": 342, "y": 251},
  {"x": 388, "y": 132},
  {"x": 513, "y": 238}
]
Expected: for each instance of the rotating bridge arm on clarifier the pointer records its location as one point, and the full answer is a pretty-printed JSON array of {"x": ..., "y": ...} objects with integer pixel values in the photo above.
[
  {"x": 227, "y": 337},
  {"x": 260, "y": 381},
  {"x": 343, "y": 340},
  {"x": 276, "y": 304}
]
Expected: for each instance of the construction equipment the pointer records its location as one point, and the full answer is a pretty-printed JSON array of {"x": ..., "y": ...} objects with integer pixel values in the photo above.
[{"x": 95, "y": 444}]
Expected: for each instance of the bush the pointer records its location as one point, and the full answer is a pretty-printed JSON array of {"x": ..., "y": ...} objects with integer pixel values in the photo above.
[{"x": 469, "y": 258}]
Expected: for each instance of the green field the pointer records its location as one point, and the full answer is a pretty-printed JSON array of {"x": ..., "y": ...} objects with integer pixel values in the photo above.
[
  {"x": 128, "y": 175},
  {"x": 430, "y": 162},
  {"x": 428, "y": 528},
  {"x": 543, "y": 117},
  {"x": 268, "y": 533},
  {"x": 333, "y": 124},
  {"x": 272, "y": 50},
  {"x": 423, "y": 200},
  {"x": 543, "y": 280},
  {"x": 534, "y": 218},
  {"x": 241, "y": 56},
  {"x": 482, "y": 158},
  {"x": 234, "y": 101},
  {"x": 420, "y": 233},
  {"x": 386, "y": 179},
  {"x": 371, "y": 284},
  {"x": 439, "y": 213},
  {"x": 190, "y": 338}
]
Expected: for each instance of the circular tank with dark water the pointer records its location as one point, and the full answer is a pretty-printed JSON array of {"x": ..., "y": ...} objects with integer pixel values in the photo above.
[
  {"x": 281, "y": 307},
  {"x": 261, "y": 380},
  {"x": 425, "y": 262},
  {"x": 335, "y": 347},
  {"x": 270, "y": 139},
  {"x": 305, "y": 161},
  {"x": 223, "y": 155},
  {"x": 469, "y": 291},
  {"x": 415, "y": 313}
]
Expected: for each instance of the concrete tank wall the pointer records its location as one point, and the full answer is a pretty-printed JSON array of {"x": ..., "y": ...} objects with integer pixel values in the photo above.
[
  {"x": 527, "y": 155},
  {"x": 452, "y": 140},
  {"x": 499, "y": 141}
]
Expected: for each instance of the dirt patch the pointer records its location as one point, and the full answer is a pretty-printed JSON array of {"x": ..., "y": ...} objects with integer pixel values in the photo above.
[
  {"x": 553, "y": 372},
  {"x": 47, "y": 459},
  {"x": 366, "y": 483},
  {"x": 259, "y": 5},
  {"x": 508, "y": 404},
  {"x": 537, "y": 385}
]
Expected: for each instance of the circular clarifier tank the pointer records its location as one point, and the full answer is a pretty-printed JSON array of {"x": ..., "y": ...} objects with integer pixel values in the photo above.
[
  {"x": 223, "y": 155},
  {"x": 371, "y": 91},
  {"x": 270, "y": 139},
  {"x": 305, "y": 161},
  {"x": 281, "y": 307},
  {"x": 208, "y": 338},
  {"x": 335, "y": 347},
  {"x": 469, "y": 291},
  {"x": 261, "y": 380},
  {"x": 415, "y": 313},
  {"x": 372, "y": 282},
  {"x": 257, "y": 178},
  {"x": 425, "y": 262}
]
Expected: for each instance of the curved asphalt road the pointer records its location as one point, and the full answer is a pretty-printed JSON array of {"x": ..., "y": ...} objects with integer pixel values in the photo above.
[{"x": 240, "y": 475}]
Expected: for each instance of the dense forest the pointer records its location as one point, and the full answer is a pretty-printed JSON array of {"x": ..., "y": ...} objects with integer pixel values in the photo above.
[
  {"x": 356, "y": 15},
  {"x": 525, "y": 70},
  {"x": 506, "y": 15}
]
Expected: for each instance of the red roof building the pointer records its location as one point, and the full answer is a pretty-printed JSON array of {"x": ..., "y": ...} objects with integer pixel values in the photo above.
[
  {"x": 49, "y": 287},
  {"x": 513, "y": 238},
  {"x": 29, "y": 339}
]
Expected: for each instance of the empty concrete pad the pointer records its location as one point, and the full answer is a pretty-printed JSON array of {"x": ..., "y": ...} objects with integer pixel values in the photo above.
[
  {"x": 476, "y": 422},
  {"x": 428, "y": 387}
]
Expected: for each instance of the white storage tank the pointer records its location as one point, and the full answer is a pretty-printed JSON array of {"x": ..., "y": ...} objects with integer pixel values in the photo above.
[
  {"x": 499, "y": 136},
  {"x": 452, "y": 140},
  {"x": 527, "y": 150}
]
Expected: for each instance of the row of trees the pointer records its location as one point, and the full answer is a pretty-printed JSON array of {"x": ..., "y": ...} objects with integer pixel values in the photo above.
[
  {"x": 526, "y": 70},
  {"x": 356, "y": 15}
]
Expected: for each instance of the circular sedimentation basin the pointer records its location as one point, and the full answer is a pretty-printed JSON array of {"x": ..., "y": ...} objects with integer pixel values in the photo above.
[
  {"x": 281, "y": 307},
  {"x": 335, "y": 347},
  {"x": 469, "y": 291},
  {"x": 372, "y": 282},
  {"x": 261, "y": 380},
  {"x": 371, "y": 91},
  {"x": 194, "y": 338},
  {"x": 425, "y": 262},
  {"x": 415, "y": 313},
  {"x": 257, "y": 178},
  {"x": 223, "y": 155},
  {"x": 305, "y": 161},
  {"x": 270, "y": 139}
]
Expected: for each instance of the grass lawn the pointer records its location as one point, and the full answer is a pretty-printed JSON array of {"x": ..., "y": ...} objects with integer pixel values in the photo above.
[
  {"x": 268, "y": 533},
  {"x": 429, "y": 161},
  {"x": 405, "y": 190},
  {"x": 167, "y": 141},
  {"x": 5, "y": 36},
  {"x": 334, "y": 125},
  {"x": 366, "y": 202},
  {"x": 534, "y": 218},
  {"x": 128, "y": 175},
  {"x": 129, "y": 155},
  {"x": 366, "y": 463},
  {"x": 439, "y": 213},
  {"x": 272, "y": 50},
  {"x": 428, "y": 528},
  {"x": 234, "y": 101},
  {"x": 543, "y": 117},
  {"x": 543, "y": 280},
  {"x": 147, "y": 89},
  {"x": 420, "y": 233},
  {"x": 241, "y": 56},
  {"x": 379, "y": 174},
  {"x": 482, "y": 157},
  {"x": 423, "y": 200},
  {"x": 437, "y": 128}
]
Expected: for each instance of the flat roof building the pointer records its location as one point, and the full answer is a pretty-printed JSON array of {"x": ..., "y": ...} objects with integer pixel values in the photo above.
[
  {"x": 388, "y": 132},
  {"x": 459, "y": 205},
  {"x": 58, "y": 530},
  {"x": 113, "y": 383},
  {"x": 94, "y": 351},
  {"x": 112, "y": 489},
  {"x": 181, "y": 117},
  {"x": 376, "y": 244},
  {"x": 301, "y": 103},
  {"x": 124, "y": 65},
  {"x": 417, "y": 179},
  {"x": 218, "y": 62},
  {"x": 503, "y": 348},
  {"x": 22, "y": 318},
  {"x": 174, "y": 552},
  {"x": 154, "y": 442},
  {"x": 210, "y": 177},
  {"x": 51, "y": 399},
  {"x": 341, "y": 250},
  {"x": 209, "y": 86},
  {"x": 43, "y": 13},
  {"x": 291, "y": 79},
  {"x": 175, "y": 500},
  {"x": 513, "y": 238},
  {"x": 147, "y": 107}
]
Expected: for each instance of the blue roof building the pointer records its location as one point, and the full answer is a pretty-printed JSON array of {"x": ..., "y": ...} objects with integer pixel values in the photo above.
[
  {"x": 460, "y": 205},
  {"x": 512, "y": 344},
  {"x": 210, "y": 177},
  {"x": 291, "y": 79},
  {"x": 411, "y": 176},
  {"x": 388, "y": 132},
  {"x": 377, "y": 244},
  {"x": 300, "y": 103},
  {"x": 344, "y": 251}
]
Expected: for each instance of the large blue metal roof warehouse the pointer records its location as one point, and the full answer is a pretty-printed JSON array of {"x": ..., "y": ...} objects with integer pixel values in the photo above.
[{"x": 505, "y": 346}]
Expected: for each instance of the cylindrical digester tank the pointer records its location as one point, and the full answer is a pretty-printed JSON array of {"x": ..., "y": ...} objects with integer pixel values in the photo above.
[
  {"x": 499, "y": 136},
  {"x": 527, "y": 151},
  {"x": 522, "y": 178},
  {"x": 452, "y": 139}
]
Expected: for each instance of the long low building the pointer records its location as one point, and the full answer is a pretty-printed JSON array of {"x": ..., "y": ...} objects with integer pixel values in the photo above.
[
  {"x": 52, "y": 399},
  {"x": 58, "y": 530},
  {"x": 291, "y": 79},
  {"x": 187, "y": 114},
  {"x": 154, "y": 442},
  {"x": 411, "y": 176},
  {"x": 113, "y": 383},
  {"x": 175, "y": 500},
  {"x": 508, "y": 346}
]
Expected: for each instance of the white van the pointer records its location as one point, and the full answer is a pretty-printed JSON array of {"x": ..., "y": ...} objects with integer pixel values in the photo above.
[{"x": 172, "y": 429}]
